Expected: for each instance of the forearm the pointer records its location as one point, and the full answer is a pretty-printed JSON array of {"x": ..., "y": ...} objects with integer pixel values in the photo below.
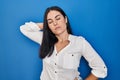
[
  {"x": 31, "y": 30},
  {"x": 91, "y": 77}
]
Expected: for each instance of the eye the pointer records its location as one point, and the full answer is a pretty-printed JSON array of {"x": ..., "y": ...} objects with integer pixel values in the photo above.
[
  {"x": 50, "y": 21},
  {"x": 58, "y": 18}
]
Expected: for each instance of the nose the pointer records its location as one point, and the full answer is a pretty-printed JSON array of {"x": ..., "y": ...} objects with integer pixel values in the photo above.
[{"x": 55, "y": 23}]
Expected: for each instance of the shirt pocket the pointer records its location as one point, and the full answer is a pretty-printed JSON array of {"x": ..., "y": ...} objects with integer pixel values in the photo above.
[{"x": 71, "y": 60}]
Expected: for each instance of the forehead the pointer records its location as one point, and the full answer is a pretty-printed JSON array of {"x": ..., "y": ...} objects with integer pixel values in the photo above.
[{"x": 53, "y": 14}]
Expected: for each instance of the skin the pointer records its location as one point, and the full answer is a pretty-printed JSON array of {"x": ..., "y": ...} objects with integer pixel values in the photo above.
[
  {"x": 40, "y": 25},
  {"x": 91, "y": 77},
  {"x": 57, "y": 24}
]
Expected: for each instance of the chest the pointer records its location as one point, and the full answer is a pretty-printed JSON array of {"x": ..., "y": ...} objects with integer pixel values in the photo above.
[
  {"x": 68, "y": 57},
  {"x": 61, "y": 45}
]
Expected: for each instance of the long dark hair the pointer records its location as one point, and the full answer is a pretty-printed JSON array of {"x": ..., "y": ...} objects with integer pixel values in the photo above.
[{"x": 49, "y": 39}]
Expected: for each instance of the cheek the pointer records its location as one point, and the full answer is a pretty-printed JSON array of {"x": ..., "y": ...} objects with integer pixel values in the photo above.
[
  {"x": 63, "y": 22},
  {"x": 51, "y": 27}
]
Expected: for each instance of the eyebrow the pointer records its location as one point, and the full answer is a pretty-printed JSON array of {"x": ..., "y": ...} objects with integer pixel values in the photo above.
[{"x": 55, "y": 17}]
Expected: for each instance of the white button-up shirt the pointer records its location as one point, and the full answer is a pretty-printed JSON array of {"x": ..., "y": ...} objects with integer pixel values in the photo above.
[{"x": 64, "y": 65}]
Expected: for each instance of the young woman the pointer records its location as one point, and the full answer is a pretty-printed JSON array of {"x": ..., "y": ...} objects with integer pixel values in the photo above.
[{"x": 60, "y": 50}]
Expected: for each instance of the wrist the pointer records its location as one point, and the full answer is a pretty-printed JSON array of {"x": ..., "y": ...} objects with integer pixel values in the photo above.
[{"x": 40, "y": 25}]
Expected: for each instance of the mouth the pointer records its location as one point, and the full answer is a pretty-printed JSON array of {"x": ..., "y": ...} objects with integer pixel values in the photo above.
[{"x": 57, "y": 28}]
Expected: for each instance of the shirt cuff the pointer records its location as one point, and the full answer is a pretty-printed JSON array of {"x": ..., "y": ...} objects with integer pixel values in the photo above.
[{"x": 100, "y": 73}]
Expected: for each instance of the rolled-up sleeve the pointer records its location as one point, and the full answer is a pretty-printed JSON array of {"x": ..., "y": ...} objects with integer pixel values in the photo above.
[
  {"x": 96, "y": 63},
  {"x": 32, "y": 31}
]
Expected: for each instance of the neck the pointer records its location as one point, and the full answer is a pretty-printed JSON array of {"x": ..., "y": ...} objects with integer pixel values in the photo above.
[{"x": 62, "y": 37}]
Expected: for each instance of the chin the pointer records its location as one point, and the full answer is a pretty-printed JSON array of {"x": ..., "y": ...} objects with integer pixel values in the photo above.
[{"x": 59, "y": 33}]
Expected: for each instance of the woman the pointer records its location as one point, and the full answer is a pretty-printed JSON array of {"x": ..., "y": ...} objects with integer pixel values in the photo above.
[{"x": 60, "y": 50}]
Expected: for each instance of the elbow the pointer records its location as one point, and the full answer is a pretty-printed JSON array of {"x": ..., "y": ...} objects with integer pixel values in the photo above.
[{"x": 21, "y": 29}]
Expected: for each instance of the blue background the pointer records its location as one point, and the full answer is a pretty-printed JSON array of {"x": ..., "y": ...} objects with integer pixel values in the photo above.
[{"x": 97, "y": 20}]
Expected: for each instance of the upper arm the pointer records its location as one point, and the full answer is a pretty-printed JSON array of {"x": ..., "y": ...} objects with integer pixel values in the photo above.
[{"x": 97, "y": 64}]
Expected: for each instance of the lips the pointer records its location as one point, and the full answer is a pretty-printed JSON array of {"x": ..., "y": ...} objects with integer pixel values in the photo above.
[{"x": 57, "y": 28}]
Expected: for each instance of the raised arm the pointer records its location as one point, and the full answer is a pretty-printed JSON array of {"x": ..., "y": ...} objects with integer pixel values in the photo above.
[
  {"x": 32, "y": 31},
  {"x": 99, "y": 69}
]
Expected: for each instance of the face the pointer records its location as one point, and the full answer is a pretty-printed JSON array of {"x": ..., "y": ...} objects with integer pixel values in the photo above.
[{"x": 56, "y": 22}]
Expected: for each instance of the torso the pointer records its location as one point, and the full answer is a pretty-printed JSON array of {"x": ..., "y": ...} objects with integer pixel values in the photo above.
[{"x": 60, "y": 45}]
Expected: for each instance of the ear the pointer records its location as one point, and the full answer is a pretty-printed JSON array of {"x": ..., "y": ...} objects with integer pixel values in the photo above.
[{"x": 66, "y": 19}]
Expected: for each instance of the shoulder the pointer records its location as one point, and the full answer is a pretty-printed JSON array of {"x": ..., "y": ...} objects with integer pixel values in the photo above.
[
  {"x": 77, "y": 41},
  {"x": 76, "y": 38}
]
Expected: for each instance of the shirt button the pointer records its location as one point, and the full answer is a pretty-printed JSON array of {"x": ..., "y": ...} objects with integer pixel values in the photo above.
[
  {"x": 55, "y": 64},
  {"x": 55, "y": 71},
  {"x": 56, "y": 54},
  {"x": 72, "y": 55}
]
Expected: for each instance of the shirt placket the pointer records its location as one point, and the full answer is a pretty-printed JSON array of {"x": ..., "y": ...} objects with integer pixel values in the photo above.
[{"x": 56, "y": 71}]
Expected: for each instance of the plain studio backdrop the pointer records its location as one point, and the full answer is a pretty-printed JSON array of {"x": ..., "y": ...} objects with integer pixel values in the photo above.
[{"x": 96, "y": 20}]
